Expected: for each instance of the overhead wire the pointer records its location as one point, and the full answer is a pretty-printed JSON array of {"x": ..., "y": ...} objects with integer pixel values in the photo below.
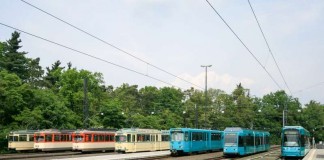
[
  {"x": 266, "y": 41},
  {"x": 312, "y": 86},
  {"x": 86, "y": 54},
  {"x": 109, "y": 44},
  {"x": 244, "y": 45}
]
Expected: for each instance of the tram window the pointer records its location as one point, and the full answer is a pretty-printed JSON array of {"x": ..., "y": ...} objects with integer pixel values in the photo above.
[
  {"x": 31, "y": 137},
  {"x": 88, "y": 137},
  {"x": 129, "y": 138},
  {"x": 96, "y": 138},
  {"x": 302, "y": 140},
  {"x": 215, "y": 136},
  {"x": 256, "y": 141},
  {"x": 133, "y": 138},
  {"x": 147, "y": 137},
  {"x": 39, "y": 138},
  {"x": 11, "y": 138},
  {"x": 240, "y": 141},
  {"x": 186, "y": 136},
  {"x": 291, "y": 140},
  {"x": 250, "y": 140},
  {"x": 77, "y": 138},
  {"x": 177, "y": 136},
  {"x": 197, "y": 136},
  {"x": 107, "y": 137},
  {"x": 48, "y": 138},
  {"x": 102, "y": 138},
  {"x": 22, "y": 137},
  {"x": 140, "y": 137},
  {"x": 56, "y": 137},
  {"x": 165, "y": 138}
]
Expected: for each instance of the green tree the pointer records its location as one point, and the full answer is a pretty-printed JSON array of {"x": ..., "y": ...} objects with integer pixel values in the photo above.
[
  {"x": 53, "y": 75},
  {"x": 12, "y": 60}
]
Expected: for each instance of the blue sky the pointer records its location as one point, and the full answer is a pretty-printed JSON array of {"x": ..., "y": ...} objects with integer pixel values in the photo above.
[{"x": 180, "y": 36}]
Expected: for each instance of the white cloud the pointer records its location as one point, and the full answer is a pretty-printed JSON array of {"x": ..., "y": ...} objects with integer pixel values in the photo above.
[{"x": 225, "y": 81}]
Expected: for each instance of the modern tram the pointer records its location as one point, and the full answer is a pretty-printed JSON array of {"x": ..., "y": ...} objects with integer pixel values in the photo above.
[
  {"x": 295, "y": 141},
  {"x": 21, "y": 140},
  {"x": 137, "y": 140},
  {"x": 240, "y": 141},
  {"x": 93, "y": 140},
  {"x": 53, "y": 140},
  {"x": 187, "y": 140}
]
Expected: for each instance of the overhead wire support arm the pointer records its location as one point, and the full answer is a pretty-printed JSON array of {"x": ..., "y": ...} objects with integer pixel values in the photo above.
[
  {"x": 86, "y": 54},
  {"x": 266, "y": 41},
  {"x": 244, "y": 45},
  {"x": 107, "y": 43}
]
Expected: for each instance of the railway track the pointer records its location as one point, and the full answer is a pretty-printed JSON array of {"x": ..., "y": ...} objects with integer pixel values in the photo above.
[{"x": 272, "y": 154}]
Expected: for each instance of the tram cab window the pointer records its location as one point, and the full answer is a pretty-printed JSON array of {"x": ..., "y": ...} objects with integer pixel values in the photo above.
[
  {"x": 13, "y": 138},
  {"x": 121, "y": 138},
  {"x": 39, "y": 138},
  {"x": 177, "y": 136},
  {"x": 291, "y": 138},
  {"x": 230, "y": 139},
  {"x": 78, "y": 138}
]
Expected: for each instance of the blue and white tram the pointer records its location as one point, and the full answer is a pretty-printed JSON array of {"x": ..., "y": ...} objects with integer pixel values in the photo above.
[
  {"x": 187, "y": 140},
  {"x": 295, "y": 141},
  {"x": 240, "y": 141}
]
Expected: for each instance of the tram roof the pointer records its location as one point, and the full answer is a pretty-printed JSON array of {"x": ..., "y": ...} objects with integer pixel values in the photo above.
[
  {"x": 23, "y": 132},
  {"x": 54, "y": 131},
  {"x": 138, "y": 130},
  {"x": 240, "y": 129},
  {"x": 192, "y": 129}
]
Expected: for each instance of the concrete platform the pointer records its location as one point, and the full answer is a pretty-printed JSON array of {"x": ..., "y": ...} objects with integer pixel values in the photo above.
[
  {"x": 123, "y": 156},
  {"x": 315, "y": 154}
]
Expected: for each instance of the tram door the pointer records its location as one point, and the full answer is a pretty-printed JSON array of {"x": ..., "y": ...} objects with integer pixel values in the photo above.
[
  {"x": 131, "y": 142},
  {"x": 153, "y": 144}
]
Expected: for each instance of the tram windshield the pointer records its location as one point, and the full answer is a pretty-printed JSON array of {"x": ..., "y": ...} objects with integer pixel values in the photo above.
[
  {"x": 120, "y": 138},
  {"x": 177, "y": 136},
  {"x": 78, "y": 138},
  {"x": 230, "y": 139},
  {"x": 291, "y": 138},
  {"x": 39, "y": 138}
]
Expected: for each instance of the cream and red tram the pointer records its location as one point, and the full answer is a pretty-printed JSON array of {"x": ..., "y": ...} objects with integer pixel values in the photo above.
[
  {"x": 21, "y": 140},
  {"x": 137, "y": 140},
  {"x": 53, "y": 140},
  {"x": 94, "y": 140}
]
